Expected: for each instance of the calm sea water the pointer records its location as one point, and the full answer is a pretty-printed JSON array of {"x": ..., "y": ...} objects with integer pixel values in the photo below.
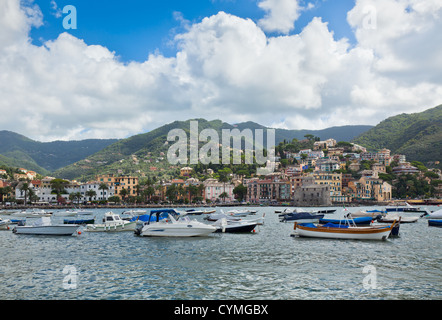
[{"x": 268, "y": 264}]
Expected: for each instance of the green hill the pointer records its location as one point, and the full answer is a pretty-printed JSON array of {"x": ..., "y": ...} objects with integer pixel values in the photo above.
[
  {"x": 147, "y": 152},
  {"x": 43, "y": 157},
  {"x": 418, "y": 136}
]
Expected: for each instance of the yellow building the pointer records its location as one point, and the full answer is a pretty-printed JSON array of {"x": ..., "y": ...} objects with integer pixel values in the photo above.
[
  {"x": 334, "y": 180},
  {"x": 119, "y": 183}
]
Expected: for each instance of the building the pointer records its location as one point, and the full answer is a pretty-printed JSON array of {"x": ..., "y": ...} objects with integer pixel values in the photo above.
[
  {"x": 334, "y": 181},
  {"x": 186, "y": 171},
  {"x": 213, "y": 189},
  {"x": 370, "y": 188},
  {"x": 327, "y": 165},
  {"x": 269, "y": 190},
  {"x": 311, "y": 194},
  {"x": 119, "y": 183},
  {"x": 405, "y": 168}
]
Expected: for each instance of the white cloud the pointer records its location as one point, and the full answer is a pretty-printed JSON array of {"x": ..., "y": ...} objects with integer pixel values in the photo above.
[
  {"x": 226, "y": 68},
  {"x": 280, "y": 15}
]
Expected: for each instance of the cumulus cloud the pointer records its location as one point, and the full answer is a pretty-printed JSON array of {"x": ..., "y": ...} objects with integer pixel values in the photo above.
[
  {"x": 280, "y": 15},
  {"x": 227, "y": 68}
]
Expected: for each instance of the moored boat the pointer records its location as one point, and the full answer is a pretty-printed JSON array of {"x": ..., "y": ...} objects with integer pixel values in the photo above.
[
  {"x": 242, "y": 226},
  {"x": 435, "y": 223},
  {"x": 4, "y": 224},
  {"x": 433, "y": 215},
  {"x": 163, "y": 224},
  {"x": 302, "y": 217},
  {"x": 333, "y": 231},
  {"x": 390, "y": 217},
  {"x": 112, "y": 223},
  {"x": 43, "y": 226},
  {"x": 34, "y": 213},
  {"x": 360, "y": 221},
  {"x": 79, "y": 221}
]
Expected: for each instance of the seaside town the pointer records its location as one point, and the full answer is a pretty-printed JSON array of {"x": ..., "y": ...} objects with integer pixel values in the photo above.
[{"x": 330, "y": 173}]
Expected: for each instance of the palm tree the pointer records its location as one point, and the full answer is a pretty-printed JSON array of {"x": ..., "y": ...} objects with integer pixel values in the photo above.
[
  {"x": 91, "y": 193},
  {"x": 25, "y": 188},
  {"x": 102, "y": 187},
  {"x": 223, "y": 196},
  {"x": 123, "y": 194}
]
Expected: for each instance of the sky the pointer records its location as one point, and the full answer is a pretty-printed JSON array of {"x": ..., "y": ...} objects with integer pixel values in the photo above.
[{"x": 130, "y": 66}]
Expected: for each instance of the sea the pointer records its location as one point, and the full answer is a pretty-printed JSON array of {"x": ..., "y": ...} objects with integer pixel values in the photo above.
[{"x": 267, "y": 264}]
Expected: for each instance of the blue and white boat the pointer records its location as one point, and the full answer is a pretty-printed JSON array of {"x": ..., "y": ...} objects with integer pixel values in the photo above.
[{"x": 162, "y": 223}]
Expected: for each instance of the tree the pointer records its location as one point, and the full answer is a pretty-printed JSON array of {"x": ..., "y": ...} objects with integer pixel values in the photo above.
[
  {"x": 124, "y": 193},
  {"x": 91, "y": 193},
  {"x": 240, "y": 192},
  {"x": 58, "y": 186},
  {"x": 223, "y": 196},
  {"x": 103, "y": 186},
  {"x": 25, "y": 188}
]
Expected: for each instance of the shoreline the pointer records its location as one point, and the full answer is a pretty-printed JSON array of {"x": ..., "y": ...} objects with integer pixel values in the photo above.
[{"x": 434, "y": 202}]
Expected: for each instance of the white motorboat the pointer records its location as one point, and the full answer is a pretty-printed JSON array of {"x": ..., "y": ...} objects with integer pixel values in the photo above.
[
  {"x": 241, "y": 226},
  {"x": 360, "y": 213},
  {"x": 4, "y": 224},
  {"x": 433, "y": 215},
  {"x": 43, "y": 226},
  {"x": 134, "y": 213},
  {"x": 170, "y": 227},
  {"x": 34, "y": 213},
  {"x": 66, "y": 213},
  {"x": 82, "y": 212},
  {"x": 112, "y": 223},
  {"x": 218, "y": 216},
  {"x": 391, "y": 217}
]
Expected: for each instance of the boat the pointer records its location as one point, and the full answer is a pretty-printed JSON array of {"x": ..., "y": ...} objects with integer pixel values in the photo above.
[
  {"x": 134, "y": 212},
  {"x": 79, "y": 221},
  {"x": 82, "y": 212},
  {"x": 43, "y": 226},
  {"x": 326, "y": 211},
  {"x": 305, "y": 217},
  {"x": 218, "y": 216},
  {"x": 209, "y": 211},
  {"x": 435, "y": 223},
  {"x": 66, "y": 213},
  {"x": 4, "y": 224},
  {"x": 432, "y": 215},
  {"x": 373, "y": 214},
  {"x": 34, "y": 213},
  {"x": 195, "y": 212},
  {"x": 348, "y": 231},
  {"x": 240, "y": 212},
  {"x": 112, "y": 223},
  {"x": 406, "y": 208},
  {"x": 242, "y": 226},
  {"x": 163, "y": 224},
  {"x": 390, "y": 217},
  {"x": 360, "y": 221}
]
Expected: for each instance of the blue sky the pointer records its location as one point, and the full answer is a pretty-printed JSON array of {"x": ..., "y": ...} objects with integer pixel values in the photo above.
[
  {"x": 136, "y": 28},
  {"x": 134, "y": 65}
]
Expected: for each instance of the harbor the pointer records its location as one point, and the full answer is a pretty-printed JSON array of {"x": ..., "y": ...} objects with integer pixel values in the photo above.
[{"x": 266, "y": 263}]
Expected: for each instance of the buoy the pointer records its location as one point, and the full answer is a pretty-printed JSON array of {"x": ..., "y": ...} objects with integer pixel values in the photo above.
[{"x": 79, "y": 232}]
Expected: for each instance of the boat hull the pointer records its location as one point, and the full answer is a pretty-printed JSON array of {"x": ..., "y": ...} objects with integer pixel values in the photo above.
[
  {"x": 240, "y": 228},
  {"x": 111, "y": 227},
  {"x": 350, "y": 233},
  {"x": 52, "y": 230},
  {"x": 435, "y": 223},
  {"x": 172, "y": 231}
]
